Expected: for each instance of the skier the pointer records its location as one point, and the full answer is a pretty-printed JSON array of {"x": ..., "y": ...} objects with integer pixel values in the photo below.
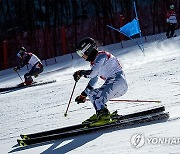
[
  {"x": 171, "y": 22},
  {"x": 33, "y": 60},
  {"x": 108, "y": 68}
]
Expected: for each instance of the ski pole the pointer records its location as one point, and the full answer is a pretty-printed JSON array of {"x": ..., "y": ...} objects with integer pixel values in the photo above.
[
  {"x": 65, "y": 114},
  {"x": 19, "y": 76},
  {"x": 136, "y": 100}
]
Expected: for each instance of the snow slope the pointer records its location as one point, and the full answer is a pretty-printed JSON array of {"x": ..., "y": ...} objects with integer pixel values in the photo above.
[{"x": 155, "y": 76}]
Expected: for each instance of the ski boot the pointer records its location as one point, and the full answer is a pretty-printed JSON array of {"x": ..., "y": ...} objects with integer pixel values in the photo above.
[
  {"x": 114, "y": 114},
  {"x": 93, "y": 118},
  {"x": 28, "y": 81},
  {"x": 103, "y": 118},
  {"x": 36, "y": 75},
  {"x": 21, "y": 84}
]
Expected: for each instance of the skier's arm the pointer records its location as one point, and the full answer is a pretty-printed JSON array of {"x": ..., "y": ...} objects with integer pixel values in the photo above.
[
  {"x": 90, "y": 86},
  {"x": 167, "y": 17},
  {"x": 25, "y": 61},
  {"x": 93, "y": 74},
  {"x": 82, "y": 98},
  {"x": 78, "y": 74},
  {"x": 95, "y": 68}
]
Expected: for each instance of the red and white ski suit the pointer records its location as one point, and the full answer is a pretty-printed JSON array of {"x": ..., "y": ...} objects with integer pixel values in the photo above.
[
  {"x": 171, "y": 17},
  {"x": 108, "y": 68}
]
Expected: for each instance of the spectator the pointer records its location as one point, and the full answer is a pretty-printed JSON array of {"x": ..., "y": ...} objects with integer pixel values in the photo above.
[{"x": 171, "y": 22}]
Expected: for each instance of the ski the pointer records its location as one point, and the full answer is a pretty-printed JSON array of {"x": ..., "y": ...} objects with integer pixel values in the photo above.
[
  {"x": 21, "y": 86},
  {"x": 69, "y": 128},
  {"x": 121, "y": 122},
  {"x": 50, "y": 132}
]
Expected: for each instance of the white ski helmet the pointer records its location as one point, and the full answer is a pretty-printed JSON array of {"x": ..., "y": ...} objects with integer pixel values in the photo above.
[{"x": 171, "y": 7}]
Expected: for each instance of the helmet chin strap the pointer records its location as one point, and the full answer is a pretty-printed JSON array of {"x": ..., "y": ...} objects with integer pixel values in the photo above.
[{"x": 85, "y": 57}]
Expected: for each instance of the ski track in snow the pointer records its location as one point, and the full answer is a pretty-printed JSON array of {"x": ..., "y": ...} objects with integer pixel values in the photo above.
[{"x": 155, "y": 76}]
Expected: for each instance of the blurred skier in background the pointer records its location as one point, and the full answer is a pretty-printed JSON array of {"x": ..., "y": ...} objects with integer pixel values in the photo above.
[
  {"x": 33, "y": 60},
  {"x": 171, "y": 22},
  {"x": 107, "y": 67}
]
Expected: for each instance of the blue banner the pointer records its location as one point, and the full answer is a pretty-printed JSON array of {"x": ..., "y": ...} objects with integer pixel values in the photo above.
[{"x": 131, "y": 28}]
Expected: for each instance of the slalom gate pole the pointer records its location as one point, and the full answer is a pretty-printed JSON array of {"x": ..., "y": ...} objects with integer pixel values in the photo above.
[
  {"x": 140, "y": 34},
  {"x": 65, "y": 114},
  {"x": 19, "y": 76},
  {"x": 129, "y": 100}
]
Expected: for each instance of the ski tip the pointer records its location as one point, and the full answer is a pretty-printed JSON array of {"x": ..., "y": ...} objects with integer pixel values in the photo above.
[
  {"x": 158, "y": 101},
  {"x": 25, "y": 137},
  {"x": 21, "y": 143}
]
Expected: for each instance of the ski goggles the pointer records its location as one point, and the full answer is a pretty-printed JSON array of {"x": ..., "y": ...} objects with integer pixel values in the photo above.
[
  {"x": 80, "y": 53},
  {"x": 18, "y": 54},
  {"x": 88, "y": 48}
]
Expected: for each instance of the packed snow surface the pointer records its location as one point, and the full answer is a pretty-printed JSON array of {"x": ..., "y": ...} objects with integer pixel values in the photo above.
[{"x": 154, "y": 75}]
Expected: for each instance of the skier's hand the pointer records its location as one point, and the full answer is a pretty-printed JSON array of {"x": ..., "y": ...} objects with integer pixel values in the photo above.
[
  {"x": 77, "y": 75},
  {"x": 16, "y": 68},
  {"x": 80, "y": 99}
]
